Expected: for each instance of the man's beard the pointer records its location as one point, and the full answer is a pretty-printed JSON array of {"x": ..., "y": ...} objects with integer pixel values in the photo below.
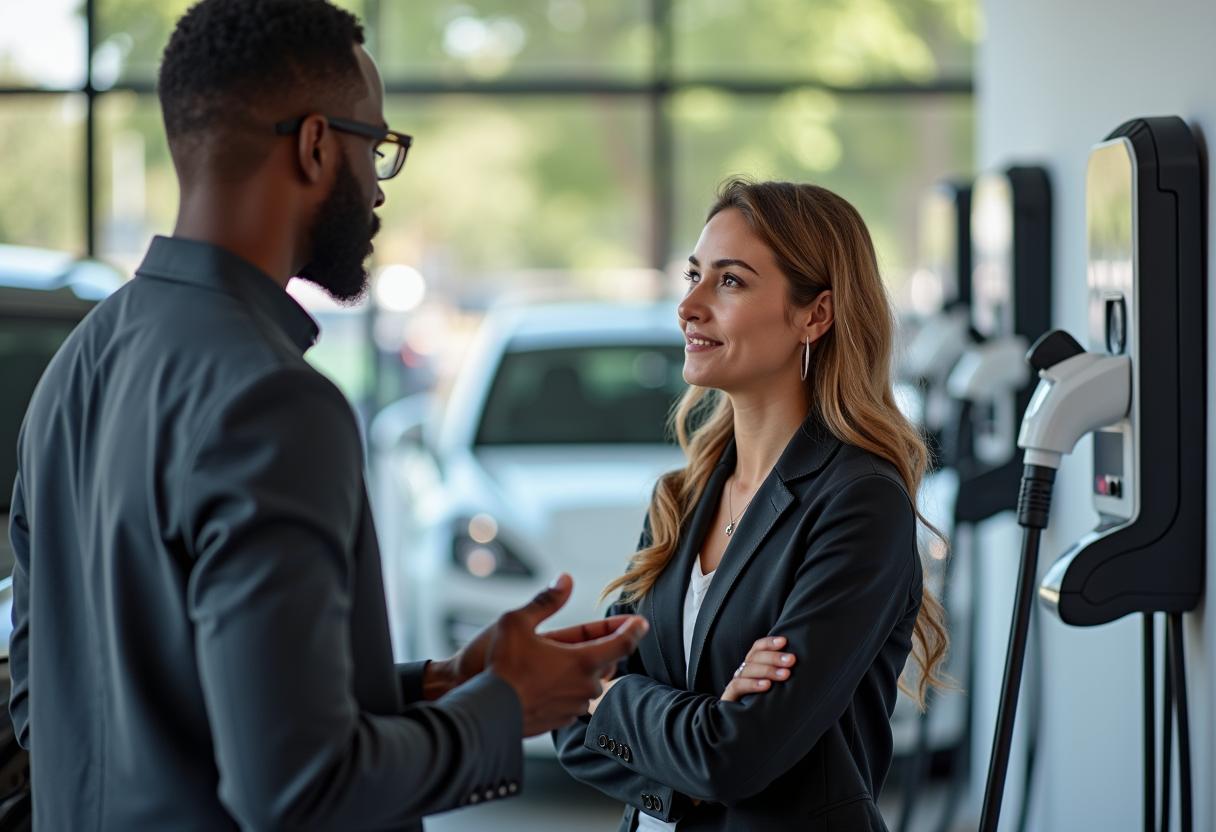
[{"x": 341, "y": 240}]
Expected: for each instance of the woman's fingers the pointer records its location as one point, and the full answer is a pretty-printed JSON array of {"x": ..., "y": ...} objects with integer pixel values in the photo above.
[
  {"x": 764, "y": 666},
  {"x": 740, "y": 687},
  {"x": 756, "y": 670},
  {"x": 770, "y": 657}
]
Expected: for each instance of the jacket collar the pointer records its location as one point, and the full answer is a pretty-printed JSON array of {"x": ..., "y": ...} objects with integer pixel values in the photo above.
[
  {"x": 807, "y": 452},
  {"x": 211, "y": 267}
]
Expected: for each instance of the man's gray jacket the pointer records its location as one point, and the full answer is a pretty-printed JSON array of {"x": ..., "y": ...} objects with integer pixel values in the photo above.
[{"x": 200, "y": 636}]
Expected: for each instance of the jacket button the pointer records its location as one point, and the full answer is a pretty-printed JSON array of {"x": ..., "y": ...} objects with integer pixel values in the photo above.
[
  {"x": 627, "y": 755},
  {"x": 647, "y": 802},
  {"x": 612, "y": 746},
  {"x": 602, "y": 740},
  {"x": 658, "y": 803}
]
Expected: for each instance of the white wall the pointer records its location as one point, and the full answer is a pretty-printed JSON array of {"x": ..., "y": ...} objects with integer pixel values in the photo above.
[{"x": 1053, "y": 78}]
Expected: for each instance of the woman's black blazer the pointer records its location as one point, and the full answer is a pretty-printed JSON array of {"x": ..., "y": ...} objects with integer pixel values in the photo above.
[{"x": 826, "y": 556}]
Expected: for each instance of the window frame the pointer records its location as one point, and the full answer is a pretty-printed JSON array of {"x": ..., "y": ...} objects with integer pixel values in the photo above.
[{"x": 658, "y": 89}]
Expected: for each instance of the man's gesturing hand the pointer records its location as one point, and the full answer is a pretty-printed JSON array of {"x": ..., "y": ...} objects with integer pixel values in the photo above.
[{"x": 556, "y": 674}]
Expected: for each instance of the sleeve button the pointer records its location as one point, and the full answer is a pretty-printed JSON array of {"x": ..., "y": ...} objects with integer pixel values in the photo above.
[
  {"x": 612, "y": 746},
  {"x": 602, "y": 740},
  {"x": 647, "y": 802},
  {"x": 627, "y": 755},
  {"x": 658, "y": 803}
]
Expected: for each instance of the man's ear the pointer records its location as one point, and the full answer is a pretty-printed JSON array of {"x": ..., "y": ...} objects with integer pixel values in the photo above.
[
  {"x": 312, "y": 148},
  {"x": 818, "y": 318}
]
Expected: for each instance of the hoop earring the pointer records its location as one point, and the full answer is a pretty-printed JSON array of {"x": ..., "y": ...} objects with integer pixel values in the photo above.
[{"x": 806, "y": 357}]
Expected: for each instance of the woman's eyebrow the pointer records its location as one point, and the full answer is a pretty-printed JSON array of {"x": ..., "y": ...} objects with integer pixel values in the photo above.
[{"x": 722, "y": 264}]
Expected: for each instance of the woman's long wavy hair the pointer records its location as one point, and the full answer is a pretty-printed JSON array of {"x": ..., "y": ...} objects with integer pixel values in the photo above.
[{"x": 820, "y": 242}]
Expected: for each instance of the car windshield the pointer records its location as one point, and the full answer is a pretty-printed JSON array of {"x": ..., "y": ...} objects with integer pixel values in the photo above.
[{"x": 583, "y": 395}]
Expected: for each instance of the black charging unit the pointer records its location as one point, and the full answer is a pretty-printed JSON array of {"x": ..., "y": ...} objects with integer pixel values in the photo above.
[{"x": 1145, "y": 273}]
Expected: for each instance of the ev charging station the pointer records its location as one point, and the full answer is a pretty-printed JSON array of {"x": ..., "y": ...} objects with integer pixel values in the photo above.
[
  {"x": 941, "y": 289},
  {"x": 1140, "y": 390},
  {"x": 1011, "y": 305},
  {"x": 944, "y": 278},
  {"x": 968, "y": 360}
]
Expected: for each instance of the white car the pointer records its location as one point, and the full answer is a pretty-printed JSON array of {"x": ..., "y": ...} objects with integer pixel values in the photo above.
[{"x": 543, "y": 461}]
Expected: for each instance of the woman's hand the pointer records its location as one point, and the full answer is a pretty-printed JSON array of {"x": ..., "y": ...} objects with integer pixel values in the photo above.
[
  {"x": 595, "y": 703},
  {"x": 763, "y": 666}
]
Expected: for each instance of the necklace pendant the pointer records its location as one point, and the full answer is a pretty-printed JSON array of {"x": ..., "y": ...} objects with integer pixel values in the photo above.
[{"x": 730, "y": 529}]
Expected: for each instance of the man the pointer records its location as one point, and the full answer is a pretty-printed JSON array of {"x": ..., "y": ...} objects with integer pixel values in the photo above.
[{"x": 200, "y": 636}]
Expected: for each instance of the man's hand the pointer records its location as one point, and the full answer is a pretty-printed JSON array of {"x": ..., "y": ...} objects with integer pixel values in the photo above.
[
  {"x": 442, "y": 675},
  {"x": 558, "y": 673}
]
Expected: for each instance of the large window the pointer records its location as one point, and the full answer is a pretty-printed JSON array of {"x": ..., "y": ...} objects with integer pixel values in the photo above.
[{"x": 555, "y": 140}]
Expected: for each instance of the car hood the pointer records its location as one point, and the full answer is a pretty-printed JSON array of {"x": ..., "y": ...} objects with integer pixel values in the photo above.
[{"x": 550, "y": 479}]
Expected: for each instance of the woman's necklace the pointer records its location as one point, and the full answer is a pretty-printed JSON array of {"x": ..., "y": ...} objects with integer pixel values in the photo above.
[{"x": 730, "y": 504}]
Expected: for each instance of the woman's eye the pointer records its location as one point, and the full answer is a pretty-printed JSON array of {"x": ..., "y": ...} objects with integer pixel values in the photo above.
[
  {"x": 730, "y": 280},
  {"x": 691, "y": 277}
]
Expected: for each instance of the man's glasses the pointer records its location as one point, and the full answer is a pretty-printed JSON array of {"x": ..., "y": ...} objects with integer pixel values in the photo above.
[{"x": 391, "y": 146}]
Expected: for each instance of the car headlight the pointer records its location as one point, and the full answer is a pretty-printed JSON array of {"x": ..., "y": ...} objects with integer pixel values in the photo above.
[{"x": 477, "y": 549}]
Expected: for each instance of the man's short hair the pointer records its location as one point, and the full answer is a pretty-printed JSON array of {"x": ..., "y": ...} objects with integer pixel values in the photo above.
[{"x": 230, "y": 65}]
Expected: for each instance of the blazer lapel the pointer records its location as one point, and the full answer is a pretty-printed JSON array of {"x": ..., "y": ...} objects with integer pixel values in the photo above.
[
  {"x": 770, "y": 502},
  {"x": 666, "y": 600},
  {"x": 808, "y": 451}
]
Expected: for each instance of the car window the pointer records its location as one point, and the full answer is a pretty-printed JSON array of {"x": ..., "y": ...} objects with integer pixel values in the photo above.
[{"x": 583, "y": 395}]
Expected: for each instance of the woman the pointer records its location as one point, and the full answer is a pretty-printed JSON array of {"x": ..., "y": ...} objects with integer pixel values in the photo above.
[{"x": 787, "y": 543}]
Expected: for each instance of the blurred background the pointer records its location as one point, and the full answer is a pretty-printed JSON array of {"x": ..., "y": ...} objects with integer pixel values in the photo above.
[
  {"x": 518, "y": 350},
  {"x": 569, "y": 145},
  {"x": 517, "y": 355}
]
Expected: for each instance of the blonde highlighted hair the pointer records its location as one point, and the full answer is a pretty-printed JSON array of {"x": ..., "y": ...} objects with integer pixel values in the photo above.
[{"x": 820, "y": 243}]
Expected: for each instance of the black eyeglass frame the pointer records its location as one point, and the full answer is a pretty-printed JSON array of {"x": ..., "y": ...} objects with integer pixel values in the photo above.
[{"x": 359, "y": 128}]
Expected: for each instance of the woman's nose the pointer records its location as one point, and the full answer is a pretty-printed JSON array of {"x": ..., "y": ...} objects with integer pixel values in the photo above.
[{"x": 691, "y": 308}]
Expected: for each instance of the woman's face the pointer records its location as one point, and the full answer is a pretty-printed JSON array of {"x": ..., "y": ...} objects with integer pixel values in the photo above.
[{"x": 738, "y": 333}]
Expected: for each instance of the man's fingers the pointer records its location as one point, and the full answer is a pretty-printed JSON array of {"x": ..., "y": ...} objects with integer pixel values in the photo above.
[
  {"x": 546, "y": 603},
  {"x": 615, "y": 646},
  {"x": 588, "y": 631}
]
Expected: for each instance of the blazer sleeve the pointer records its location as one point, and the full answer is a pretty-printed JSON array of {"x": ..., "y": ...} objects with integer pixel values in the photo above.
[
  {"x": 409, "y": 679},
  {"x": 853, "y": 587},
  {"x": 19, "y": 644},
  {"x": 580, "y": 754},
  {"x": 272, "y": 500}
]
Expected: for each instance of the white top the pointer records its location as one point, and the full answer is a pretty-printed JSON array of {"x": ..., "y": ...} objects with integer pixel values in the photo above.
[{"x": 698, "y": 585}]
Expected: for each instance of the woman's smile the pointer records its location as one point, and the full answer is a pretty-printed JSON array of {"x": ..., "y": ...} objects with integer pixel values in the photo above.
[{"x": 696, "y": 342}]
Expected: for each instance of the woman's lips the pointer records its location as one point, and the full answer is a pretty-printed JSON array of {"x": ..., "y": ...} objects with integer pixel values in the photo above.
[{"x": 697, "y": 344}]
